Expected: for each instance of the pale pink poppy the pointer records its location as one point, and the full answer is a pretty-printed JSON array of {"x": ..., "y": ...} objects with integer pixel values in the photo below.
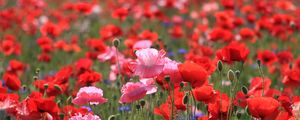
[
  {"x": 142, "y": 44},
  {"x": 210, "y": 7},
  {"x": 85, "y": 117},
  {"x": 149, "y": 63},
  {"x": 171, "y": 69},
  {"x": 150, "y": 85},
  {"x": 132, "y": 92},
  {"x": 110, "y": 53},
  {"x": 91, "y": 95},
  {"x": 113, "y": 72}
]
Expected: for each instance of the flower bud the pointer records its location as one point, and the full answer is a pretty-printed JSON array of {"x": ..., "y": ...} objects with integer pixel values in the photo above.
[
  {"x": 185, "y": 98},
  {"x": 230, "y": 75},
  {"x": 220, "y": 65},
  {"x": 116, "y": 42},
  {"x": 245, "y": 90},
  {"x": 237, "y": 74},
  {"x": 258, "y": 63}
]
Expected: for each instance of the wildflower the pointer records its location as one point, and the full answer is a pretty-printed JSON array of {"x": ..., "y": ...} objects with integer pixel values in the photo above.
[{"x": 89, "y": 95}]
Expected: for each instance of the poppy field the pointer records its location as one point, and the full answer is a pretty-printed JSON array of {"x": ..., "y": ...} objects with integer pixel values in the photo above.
[{"x": 149, "y": 60}]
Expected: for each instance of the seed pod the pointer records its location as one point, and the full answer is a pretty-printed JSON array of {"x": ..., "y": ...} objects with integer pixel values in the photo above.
[
  {"x": 69, "y": 99},
  {"x": 138, "y": 107},
  {"x": 115, "y": 97},
  {"x": 181, "y": 85},
  {"x": 220, "y": 65},
  {"x": 167, "y": 78},
  {"x": 35, "y": 78},
  {"x": 112, "y": 117},
  {"x": 58, "y": 102},
  {"x": 237, "y": 74},
  {"x": 142, "y": 103},
  {"x": 293, "y": 24},
  {"x": 46, "y": 86},
  {"x": 57, "y": 87},
  {"x": 116, "y": 42},
  {"x": 245, "y": 90},
  {"x": 276, "y": 97},
  {"x": 24, "y": 87},
  {"x": 37, "y": 71},
  {"x": 185, "y": 99},
  {"x": 258, "y": 63},
  {"x": 230, "y": 75}
]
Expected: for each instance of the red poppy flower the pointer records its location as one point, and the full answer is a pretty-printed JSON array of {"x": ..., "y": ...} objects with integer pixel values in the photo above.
[
  {"x": 235, "y": 51},
  {"x": 219, "y": 107},
  {"x": 205, "y": 62},
  {"x": 120, "y": 13},
  {"x": 193, "y": 73},
  {"x": 258, "y": 85},
  {"x": 261, "y": 107},
  {"x": 83, "y": 64},
  {"x": 109, "y": 31},
  {"x": 148, "y": 35},
  {"x": 267, "y": 57},
  {"x": 292, "y": 78},
  {"x": 46, "y": 44},
  {"x": 240, "y": 99},
  {"x": 204, "y": 93},
  {"x": 8, "y": 102},
  {"x": 51, "y": 29},
  {"x": 83, "y": 7},
  {"x": 44, "y": 57},
  {"x": 178, "y": 99},
  {"x": 12, "y": 81},
  {"x": 96, "y": 45},
  {"x": 89, "y": 77},
  {"x": 35, "y": 106},
  {"x": 10, "y": 46},
  {"x": 176, "y": 32},
  {"x": 284, "y": 57},
  {"x": 220, "y": 34},
  {"x": 165, "y": 111},
  {"x": 247, "y": 34},
  {"x": 16, "y": 66}
]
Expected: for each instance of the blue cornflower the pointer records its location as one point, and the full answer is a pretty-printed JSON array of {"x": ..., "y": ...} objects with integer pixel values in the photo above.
[
  {"x": 125, "y": 108},
  {"x": 182, "y": 51}
]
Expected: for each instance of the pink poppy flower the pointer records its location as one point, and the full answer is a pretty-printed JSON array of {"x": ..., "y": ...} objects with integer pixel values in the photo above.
[
  {"x": 113, "y": 72},
  {"x": 143, "y": 44},
  {"x": 150, "y": 63},
  {"x": 132, "y": 92},
  {"x": 91, "y": 95},
  {"x": 210, "y": 7},
  {"x": 150, "y": 85},
  {"x": 171, "y": 69},
  {"x": 110, "y": 53},
  {"x": 85, "y": 117}
]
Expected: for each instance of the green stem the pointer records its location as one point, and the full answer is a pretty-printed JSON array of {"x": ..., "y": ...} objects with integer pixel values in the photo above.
[{"x": 263, "y": 79}]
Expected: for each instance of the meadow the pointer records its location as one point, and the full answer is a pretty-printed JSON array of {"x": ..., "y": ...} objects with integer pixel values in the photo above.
[{"x": 149, "y": 60}]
